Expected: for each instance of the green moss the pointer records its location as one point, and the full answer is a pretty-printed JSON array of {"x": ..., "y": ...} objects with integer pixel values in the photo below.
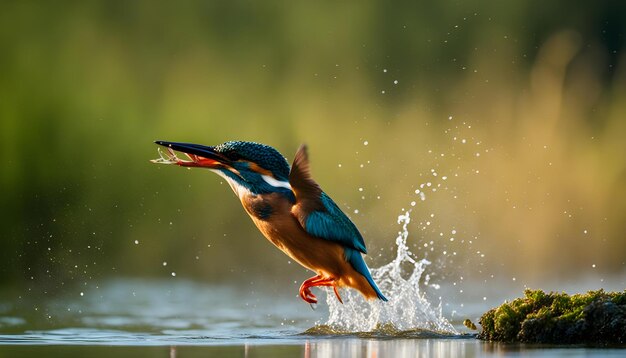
[
  {"x": 594, "y": 317},
  {"x": 469, "y": 324}
]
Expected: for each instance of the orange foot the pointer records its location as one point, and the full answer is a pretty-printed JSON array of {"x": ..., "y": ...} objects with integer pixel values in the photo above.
[{"x": 305, "y": 288}]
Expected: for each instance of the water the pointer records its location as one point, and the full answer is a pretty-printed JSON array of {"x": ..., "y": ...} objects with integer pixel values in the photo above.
[
  {"x": 176, "y": 318},
  {"x": 408, "y": 308},
  {"x": 179, "y": 318}
]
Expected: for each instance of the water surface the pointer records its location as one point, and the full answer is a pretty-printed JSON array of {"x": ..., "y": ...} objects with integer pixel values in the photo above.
[
  {"x": 183, "y": 318},
  {"x": 130, "y": 318}
]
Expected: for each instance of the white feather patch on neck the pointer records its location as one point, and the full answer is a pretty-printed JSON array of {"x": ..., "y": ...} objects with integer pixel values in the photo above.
[
  {"x": 276, "y": 183},
  {"x": 239, "y": 190}
]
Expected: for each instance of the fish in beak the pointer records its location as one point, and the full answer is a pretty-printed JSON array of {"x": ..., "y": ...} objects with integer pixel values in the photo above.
[{"x": 199, "y": 156}]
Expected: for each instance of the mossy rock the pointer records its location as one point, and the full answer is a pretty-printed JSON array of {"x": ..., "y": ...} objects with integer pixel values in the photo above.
[{"x": 597, "y": 317}]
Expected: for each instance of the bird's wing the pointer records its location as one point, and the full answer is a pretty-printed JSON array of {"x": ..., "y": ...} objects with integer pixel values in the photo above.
[{"x": 317, "y": 212}]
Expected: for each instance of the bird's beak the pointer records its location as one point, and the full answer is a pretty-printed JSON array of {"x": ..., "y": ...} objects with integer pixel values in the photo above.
[{"x": 199, "y": 155}]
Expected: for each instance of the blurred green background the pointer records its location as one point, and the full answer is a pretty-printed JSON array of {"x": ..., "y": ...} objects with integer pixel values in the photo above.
[{"x": 521, "y": 105}]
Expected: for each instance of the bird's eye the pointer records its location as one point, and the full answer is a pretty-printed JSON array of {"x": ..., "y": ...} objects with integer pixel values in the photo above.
[{"x": 234, "y": 156}]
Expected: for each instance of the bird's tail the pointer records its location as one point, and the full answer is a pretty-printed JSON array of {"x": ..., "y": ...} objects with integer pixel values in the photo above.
[{"x": 356, "y": 260}]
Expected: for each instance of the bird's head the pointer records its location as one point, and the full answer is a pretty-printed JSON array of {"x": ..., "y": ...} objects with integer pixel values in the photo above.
[{"x": 247, "y": 166}]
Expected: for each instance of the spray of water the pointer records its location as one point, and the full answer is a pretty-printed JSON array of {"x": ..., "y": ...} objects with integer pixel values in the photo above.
[{"x": 408, "y": 308}]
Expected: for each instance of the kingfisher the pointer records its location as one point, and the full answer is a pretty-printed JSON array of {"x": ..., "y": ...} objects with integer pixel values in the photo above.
[{"x": 289, "y": 208}]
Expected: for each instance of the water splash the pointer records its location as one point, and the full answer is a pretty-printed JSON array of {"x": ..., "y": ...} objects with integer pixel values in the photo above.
[{"x": 408, "y": 308}]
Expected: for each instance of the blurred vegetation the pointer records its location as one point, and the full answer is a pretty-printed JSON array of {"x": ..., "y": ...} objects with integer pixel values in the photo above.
[{"x": 521, "y": 105}]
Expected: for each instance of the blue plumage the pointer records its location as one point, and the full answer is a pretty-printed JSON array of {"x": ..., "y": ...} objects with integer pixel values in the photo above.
[
  {"x": 321, "y": 217},
  {"x": 332, "y": 224},
  {"x": 356, "y": 260},
  {"x": 264, "y": 155}
]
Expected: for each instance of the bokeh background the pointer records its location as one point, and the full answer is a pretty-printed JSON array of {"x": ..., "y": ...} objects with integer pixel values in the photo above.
[{"x": 514, "y": 112}]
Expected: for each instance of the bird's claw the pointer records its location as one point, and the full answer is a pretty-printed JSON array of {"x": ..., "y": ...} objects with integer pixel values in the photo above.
[
  {"x": 308, "y": 296},
  {"x": 337, "y": 294}
]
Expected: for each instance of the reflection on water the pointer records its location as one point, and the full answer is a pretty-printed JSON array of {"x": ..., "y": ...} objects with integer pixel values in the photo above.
[
  {"x": 313, "y": 348},
  {"x": 443, "y": 348},
  {"x": 392, "y": 348}
]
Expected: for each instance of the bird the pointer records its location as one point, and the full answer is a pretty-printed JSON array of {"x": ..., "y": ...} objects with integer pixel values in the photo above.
[{"x": 289, "y": 208}]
